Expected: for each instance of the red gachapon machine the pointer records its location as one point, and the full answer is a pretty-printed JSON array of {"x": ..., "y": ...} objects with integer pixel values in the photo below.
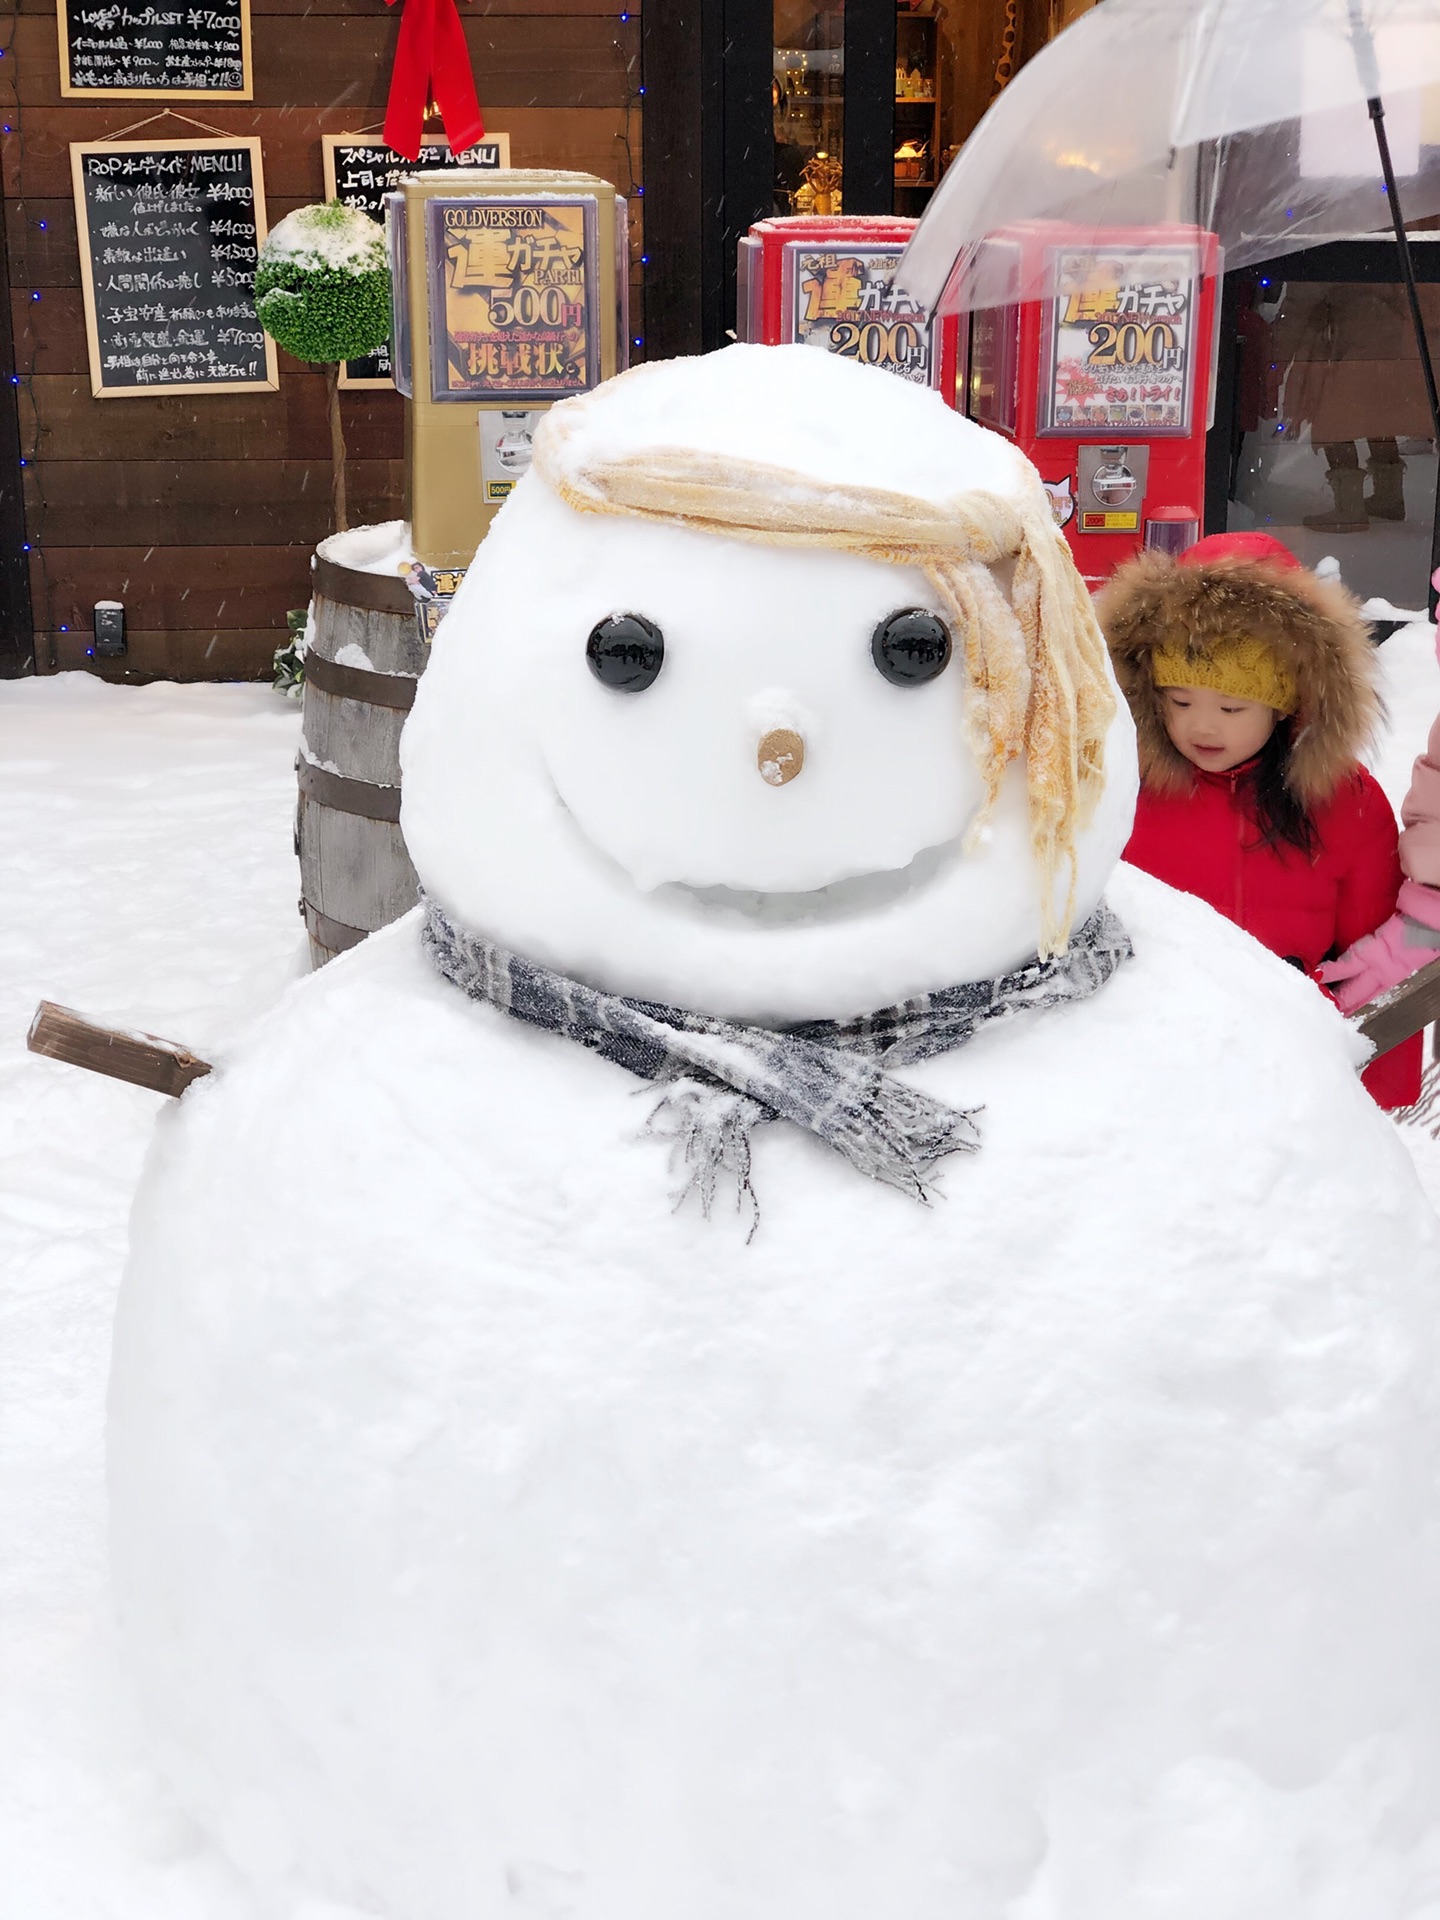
[
  {"x": 1102, "y": 370},
  {"x": 825, "y": 280}
]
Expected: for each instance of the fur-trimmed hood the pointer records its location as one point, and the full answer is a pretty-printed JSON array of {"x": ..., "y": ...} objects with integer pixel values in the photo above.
[{"x": 1315, "y": 627}]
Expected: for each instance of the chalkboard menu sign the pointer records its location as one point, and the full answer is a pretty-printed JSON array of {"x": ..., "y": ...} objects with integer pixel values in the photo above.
[
  {"x": 190, "y": 49},
  {"x": 168, "y": 241},
  {"x": 361, "y": 172}
]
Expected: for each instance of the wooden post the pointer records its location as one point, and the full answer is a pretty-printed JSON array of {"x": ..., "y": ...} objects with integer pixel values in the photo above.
[
  {"x": 1404, "y": 1010},
  {"x": 62, "y": 1034},
  {"x": 337, "y": 449}
]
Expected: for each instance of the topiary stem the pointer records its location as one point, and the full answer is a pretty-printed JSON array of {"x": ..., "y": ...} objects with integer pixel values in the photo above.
[{"x": 337, "y": 448}]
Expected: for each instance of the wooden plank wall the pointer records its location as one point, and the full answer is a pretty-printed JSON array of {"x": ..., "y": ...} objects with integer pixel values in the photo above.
[{"x": 199, "y": 512}]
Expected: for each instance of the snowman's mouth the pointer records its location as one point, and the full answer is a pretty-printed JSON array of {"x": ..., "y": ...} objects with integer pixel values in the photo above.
[
  {"x": 861, "y": 894},
  {"x": 847, "y": 897}
]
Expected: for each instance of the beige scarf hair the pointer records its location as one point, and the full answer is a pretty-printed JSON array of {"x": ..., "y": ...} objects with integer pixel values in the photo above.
[{"x": 1036, "y": 661}]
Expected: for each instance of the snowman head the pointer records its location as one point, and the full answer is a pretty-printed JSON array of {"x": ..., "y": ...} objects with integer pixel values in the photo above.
[{"x": 772, "y": 692}]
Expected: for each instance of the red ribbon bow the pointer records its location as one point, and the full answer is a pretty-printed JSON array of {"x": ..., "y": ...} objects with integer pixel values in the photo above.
[{"x": 432, "y": 51}]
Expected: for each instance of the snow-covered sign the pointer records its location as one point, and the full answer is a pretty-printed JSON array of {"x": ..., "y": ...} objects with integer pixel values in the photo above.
[
  {"x": 157, "y": 51},
  {"x": 169, "y": 234}
]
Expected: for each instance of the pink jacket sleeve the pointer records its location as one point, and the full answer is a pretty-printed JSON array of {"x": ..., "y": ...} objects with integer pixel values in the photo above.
[{"x": 1420, "y": 816}]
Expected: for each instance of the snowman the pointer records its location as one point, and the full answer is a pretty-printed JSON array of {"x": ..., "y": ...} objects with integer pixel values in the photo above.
[{"x": 795, "y": 1342}]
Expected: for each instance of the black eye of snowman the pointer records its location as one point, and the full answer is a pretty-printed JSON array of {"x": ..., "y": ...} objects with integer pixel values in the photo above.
[
  {"x": 911, "y": 646},
  {"x": 626, "y": 652}
]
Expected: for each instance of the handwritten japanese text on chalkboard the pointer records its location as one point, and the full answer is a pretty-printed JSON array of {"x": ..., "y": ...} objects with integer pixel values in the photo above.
[
  {"x": 169, "y": 240},
  {"x": 147, "y": 46},
  {"x": 361, "y": 172}
]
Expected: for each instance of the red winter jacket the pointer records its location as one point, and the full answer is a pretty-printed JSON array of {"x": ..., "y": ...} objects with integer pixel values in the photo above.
[{"x": 1207, "y": 841}]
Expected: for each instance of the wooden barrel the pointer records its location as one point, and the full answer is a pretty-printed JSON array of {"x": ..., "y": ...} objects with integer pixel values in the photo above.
[{"x": 361, "y": 666}]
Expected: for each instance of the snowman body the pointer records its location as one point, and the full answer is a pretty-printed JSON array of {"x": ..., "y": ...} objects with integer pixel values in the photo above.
[{"x": 495, "y": 1536}]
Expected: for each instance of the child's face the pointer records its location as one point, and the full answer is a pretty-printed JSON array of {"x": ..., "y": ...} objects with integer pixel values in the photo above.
[{"x": 1214, "y": 730}]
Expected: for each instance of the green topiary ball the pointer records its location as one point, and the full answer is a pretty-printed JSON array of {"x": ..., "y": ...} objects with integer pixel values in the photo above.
[{"x": 322, "y": 285}]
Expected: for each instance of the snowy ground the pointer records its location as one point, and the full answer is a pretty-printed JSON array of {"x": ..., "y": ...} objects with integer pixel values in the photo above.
[{"x": 148, "y": 878}]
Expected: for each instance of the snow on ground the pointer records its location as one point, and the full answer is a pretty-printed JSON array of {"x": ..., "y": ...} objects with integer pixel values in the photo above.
[{"x": 148, "y": 878}]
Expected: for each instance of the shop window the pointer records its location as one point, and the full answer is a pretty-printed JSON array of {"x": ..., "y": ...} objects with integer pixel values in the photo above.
[
  {"x": 1331, "y": 444},
  {"x": 917, "y": 109},
  {"x": 808, "y": 97}
]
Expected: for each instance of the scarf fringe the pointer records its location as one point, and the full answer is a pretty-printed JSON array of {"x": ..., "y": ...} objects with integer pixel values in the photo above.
[{"x": 709, "y": 1131}]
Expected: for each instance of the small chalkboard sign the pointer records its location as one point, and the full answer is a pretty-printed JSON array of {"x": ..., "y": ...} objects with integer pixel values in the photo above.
[
  {"x": 169, "y": 236},
  {"x": 361, "y": 172},
  {"x": 198, "y": 50}
]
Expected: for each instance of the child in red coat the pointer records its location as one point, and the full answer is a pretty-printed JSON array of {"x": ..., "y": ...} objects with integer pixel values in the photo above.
[{"x": 1252, "y": 687}]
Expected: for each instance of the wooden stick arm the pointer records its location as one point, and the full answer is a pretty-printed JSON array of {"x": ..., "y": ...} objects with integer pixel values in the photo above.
[
  {"x": 1404, "y": 1010},
  {"x": 166, "y": 1067},
  {"x": 145, "y": 1061}
]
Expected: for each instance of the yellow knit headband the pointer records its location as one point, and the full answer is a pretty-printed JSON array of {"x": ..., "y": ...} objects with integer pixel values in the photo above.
[
  {"x": 1244, "y": 668},
  {"x": 1037, "y": 664}
]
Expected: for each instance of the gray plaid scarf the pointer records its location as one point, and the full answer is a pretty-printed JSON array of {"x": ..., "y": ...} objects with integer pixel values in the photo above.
[{"x": 723, "y": 1079}]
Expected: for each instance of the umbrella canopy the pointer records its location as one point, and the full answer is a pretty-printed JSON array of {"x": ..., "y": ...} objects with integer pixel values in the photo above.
[{"x": 1245, "y": 117}]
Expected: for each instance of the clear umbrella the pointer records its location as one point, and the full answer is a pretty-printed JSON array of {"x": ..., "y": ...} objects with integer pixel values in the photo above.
[{"x": 1246, "y": 117}]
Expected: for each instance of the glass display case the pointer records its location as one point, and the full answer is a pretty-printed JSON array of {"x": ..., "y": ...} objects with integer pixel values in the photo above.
[
  {"x": 917, "y": 108},
  {"x": 1325, "y": 438},
  {"x": 808, "y": 98}
]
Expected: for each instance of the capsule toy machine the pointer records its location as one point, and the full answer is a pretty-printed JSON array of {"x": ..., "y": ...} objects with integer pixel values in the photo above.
[
  {"x": 509, "y": 291},
  {"x": 1101, "y": 367},
  {"x": 824, "y": 280}
]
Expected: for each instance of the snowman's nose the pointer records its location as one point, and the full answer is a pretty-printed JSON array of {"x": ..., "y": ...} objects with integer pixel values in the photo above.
[{"x": 780, "y": 756}]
